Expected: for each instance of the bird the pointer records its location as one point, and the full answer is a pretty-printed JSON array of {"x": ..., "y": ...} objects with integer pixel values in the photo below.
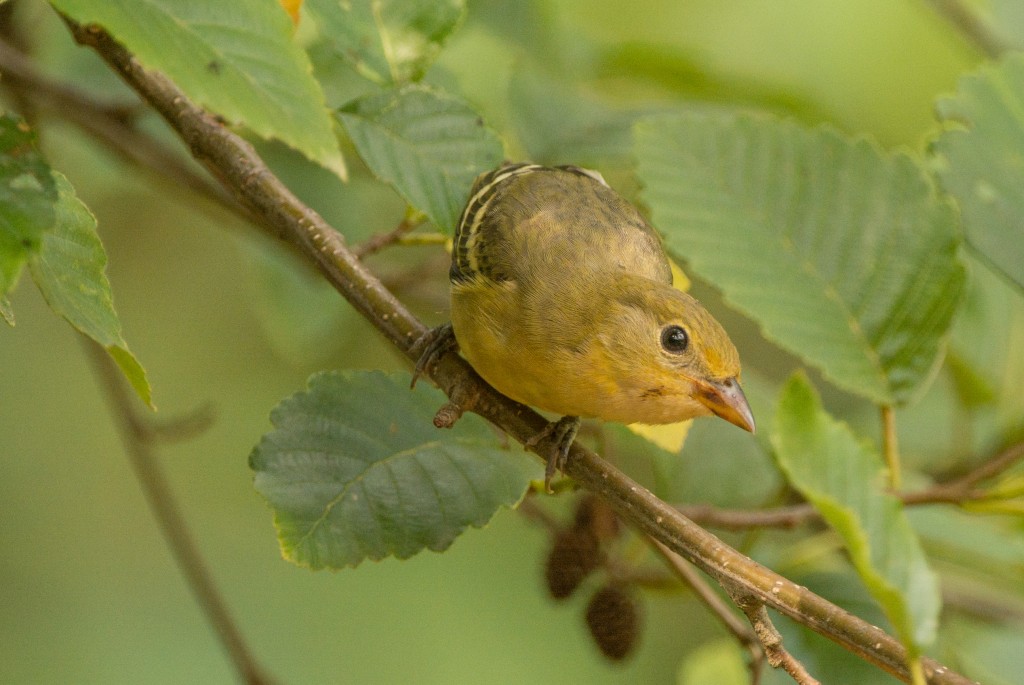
[{"x": 562, "y": 299}]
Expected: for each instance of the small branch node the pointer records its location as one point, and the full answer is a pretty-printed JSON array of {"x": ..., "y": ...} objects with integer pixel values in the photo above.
[
  {"x": 447, "y": 415},
  {"x": 768, "y": 635}
]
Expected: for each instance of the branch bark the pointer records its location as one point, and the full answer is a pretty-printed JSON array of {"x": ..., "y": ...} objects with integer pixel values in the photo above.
[
  {"x": 234, "y": 162},
  {"x": 770, "y": 638}
]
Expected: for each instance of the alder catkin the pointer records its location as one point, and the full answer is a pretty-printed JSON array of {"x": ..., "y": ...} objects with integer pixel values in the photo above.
[
  {"x": 596, "y": 515},
  {"x": 574, "y": 555},
  {"x": 613, "y": 617}
]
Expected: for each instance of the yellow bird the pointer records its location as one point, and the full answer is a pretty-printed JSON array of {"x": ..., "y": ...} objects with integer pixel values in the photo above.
[{"x": 562, "y": 298}]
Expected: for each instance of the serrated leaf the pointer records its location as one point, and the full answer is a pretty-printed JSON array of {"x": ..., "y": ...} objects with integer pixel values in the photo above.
[
  {"x": 27, "y": 196},
  {"x": 983, "y": 166},
  {"x": 388, "y": 41},
  {"x": 843, "y": 254},
  {"x": 354, "y": 469},
  {"x": 844, "y": 478},
  {"x": 70, "y": 271},
  {"x": 237, "y": 58},
  {"x": 427, "y": 144}
]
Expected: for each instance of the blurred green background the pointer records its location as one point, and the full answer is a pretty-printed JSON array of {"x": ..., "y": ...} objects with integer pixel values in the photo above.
[{"x": 88, "y": 591}]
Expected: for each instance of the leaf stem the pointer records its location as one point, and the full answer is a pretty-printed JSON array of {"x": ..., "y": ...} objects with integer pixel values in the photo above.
[
  {"x": 234, "y": 162},
  {"x": 138, "y": 438},
  {"x": 890, "y": 448}
]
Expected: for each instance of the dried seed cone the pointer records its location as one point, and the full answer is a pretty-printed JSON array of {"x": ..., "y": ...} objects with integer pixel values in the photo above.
[
  {"x": 613, "y": 617},
  {"x": 594, "y": 514},
  {"x": 574, "y": 555}
]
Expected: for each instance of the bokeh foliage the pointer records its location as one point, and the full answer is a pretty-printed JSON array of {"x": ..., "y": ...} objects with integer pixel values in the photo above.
[{"x": 429, "y": 94}]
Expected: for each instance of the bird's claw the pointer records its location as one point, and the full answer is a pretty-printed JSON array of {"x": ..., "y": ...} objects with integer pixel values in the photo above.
[
  {"x": 562, "y": 433},
  {"x": 436, "y": 343}
]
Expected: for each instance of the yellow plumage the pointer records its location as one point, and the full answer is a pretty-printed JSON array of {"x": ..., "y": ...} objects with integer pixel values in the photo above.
[{"x": 562, "y": 299}]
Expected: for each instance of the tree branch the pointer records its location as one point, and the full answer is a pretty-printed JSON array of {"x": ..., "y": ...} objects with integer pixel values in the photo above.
[
  {"x": 769, "y": 637},
  {"x": 138, "y": 437},
  {"x": 234, "y": 162}
]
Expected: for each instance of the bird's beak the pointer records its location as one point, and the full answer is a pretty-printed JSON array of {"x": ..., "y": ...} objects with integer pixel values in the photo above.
[{"x": 726, "y": 399}]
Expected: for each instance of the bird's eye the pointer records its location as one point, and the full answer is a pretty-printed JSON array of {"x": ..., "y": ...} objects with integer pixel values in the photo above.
[{"x": 674, "y": 339}]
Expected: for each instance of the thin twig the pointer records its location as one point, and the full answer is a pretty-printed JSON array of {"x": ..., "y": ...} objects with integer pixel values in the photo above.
[
  {"x": 990, "y": 468},
  {"x": 236, "y": 164},
  {"x": 112, "y": 125},
  {"x": 740, "y": 630},
  {"x": 743, "y": 519},
  {"x": 138, "y": 439},
  {"x": 769, "y": 637},
  {"x": 186, "y": 426},
  {"x": 961, "y": 490},
  {"x": 992, "y": 604},
  {"x": 965, "y": 488},
  {"x": 428, "y": 239},
  {"x": 971, "y": 26},
  {"x": 378, "y": 242}
]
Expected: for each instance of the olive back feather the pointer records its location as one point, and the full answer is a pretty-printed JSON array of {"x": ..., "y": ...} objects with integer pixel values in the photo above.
[{"x": 515, "y": 210}]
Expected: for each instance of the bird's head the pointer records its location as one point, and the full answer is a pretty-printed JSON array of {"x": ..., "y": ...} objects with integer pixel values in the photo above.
[{"x": 670, "y": 356}]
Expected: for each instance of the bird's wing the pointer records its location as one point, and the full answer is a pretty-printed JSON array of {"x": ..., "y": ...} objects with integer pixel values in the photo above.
[{"x": 523, "y": 220}]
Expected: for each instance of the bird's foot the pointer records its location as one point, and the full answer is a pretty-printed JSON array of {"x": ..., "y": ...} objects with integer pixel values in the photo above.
[
  {"x": 436, "y": 343},
  {"x": 561, "y": 433}
]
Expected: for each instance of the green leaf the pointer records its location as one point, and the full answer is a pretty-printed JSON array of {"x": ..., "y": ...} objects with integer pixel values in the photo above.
[
  {"x": 27, "y": 196},
  {"x": 556, "y": 122},
  {"x": 981, "y": 161},
  {"x": 720, "y": 662},
  {"x": 388, "y": 41},
  {"x": 843, "y": 477},
  {"x": 70, "y": 271},
  {"x": 427, "y": 144},
  {"x": 843, "y": 254},
  {"x": 237, "y": 58},
  {"x": 354, "y": 469},
  {"x": 992, "y": 549}
]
